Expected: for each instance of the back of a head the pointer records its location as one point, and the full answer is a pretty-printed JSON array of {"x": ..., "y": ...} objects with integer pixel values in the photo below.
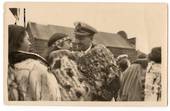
[
  {"x": 142, "y": 56},
  {"x": 155, "y": 55},
  {"x": 142, "y": 60},
  {"x": 16, "y": 35},
  {"x": 123, "y": 64},
  {"x": 122, "y": 56}
]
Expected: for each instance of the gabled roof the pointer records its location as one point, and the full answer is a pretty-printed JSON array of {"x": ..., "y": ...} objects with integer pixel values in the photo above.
[
  {"x": 44, "y": 32},
  {"x": 112, "y": 40}
]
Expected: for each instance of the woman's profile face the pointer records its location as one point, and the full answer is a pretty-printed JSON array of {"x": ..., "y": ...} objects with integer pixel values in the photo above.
[
  {"x": 26, "y": 44},
  {"x": 67, "y": 44}
]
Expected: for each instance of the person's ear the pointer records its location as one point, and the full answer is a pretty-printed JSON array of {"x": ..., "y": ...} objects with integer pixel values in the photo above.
[{"x": 92, "y": 37}]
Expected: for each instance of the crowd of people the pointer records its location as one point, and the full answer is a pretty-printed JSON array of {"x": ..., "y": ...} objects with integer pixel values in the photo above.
[{"x": 83, "y": 72}]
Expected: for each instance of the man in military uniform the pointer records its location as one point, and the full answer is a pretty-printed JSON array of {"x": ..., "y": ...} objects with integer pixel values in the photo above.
[
  {"x": 104, "y": 86},
  {"x": 84, "y": 36}
]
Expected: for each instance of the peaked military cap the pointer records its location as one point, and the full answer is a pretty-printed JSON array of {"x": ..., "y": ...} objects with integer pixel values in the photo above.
[{"x": 83, "y": 29}]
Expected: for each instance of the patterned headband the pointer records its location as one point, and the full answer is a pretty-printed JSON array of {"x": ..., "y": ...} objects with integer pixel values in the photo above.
[{"x": 58, "y": 42}]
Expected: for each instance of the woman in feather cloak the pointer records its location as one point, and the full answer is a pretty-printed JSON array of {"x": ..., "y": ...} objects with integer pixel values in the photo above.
[{"x": 64, "y": 67}]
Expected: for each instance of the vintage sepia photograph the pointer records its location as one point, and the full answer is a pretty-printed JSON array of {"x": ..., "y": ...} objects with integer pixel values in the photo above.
[{"x": 103, "y": 54}]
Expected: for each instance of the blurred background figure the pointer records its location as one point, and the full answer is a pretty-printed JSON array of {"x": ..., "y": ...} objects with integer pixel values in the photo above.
[
  {"x": 153, "y": 76},
  {"x": 28, "y": 75},
  {"x": 133, "y": 79},
  {"x": 123, "y": 62}
]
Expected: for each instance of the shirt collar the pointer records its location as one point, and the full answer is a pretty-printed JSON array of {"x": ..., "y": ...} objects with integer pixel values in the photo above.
[{"x": 88, "y": 49}]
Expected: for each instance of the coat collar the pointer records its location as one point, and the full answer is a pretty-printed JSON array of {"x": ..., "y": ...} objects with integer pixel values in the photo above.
[{"x": 19, "y": 56}]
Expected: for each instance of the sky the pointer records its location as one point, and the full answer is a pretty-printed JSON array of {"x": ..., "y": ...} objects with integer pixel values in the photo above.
[{"x": 146, "y": 22}]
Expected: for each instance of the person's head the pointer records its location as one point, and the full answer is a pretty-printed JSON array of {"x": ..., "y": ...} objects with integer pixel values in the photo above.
[
  {"x": 142, "y": 60},
  {"x": 142, "y": 56},
  {"x": 123, "y": 62},
  {"x": 60, "y": 41},
  {"x": 84, "y": 35},
  {"x": 18, "y": 38},
  {"x": 155, "y": 55}
]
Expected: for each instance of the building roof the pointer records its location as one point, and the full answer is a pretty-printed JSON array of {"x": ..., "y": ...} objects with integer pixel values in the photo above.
[
  {"x": 44, "y": 32},
  {"x": 112, "y": 40}
]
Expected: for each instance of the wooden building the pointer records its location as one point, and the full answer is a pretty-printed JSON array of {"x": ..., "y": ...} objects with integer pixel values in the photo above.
[{"x": 117, "y": 44}]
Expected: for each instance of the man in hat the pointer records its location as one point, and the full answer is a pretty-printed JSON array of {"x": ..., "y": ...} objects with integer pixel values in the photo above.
[
  {"x": 84, "y": 36},
  {"x": 104, "y": 84}
]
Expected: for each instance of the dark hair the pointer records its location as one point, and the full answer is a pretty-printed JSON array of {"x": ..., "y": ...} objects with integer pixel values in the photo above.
[
  {"x": 16, "y": 35},
  {"x": 142, "y": 56},
  {"x": 142, "y": 60},
  {"x": 155, "y": 55},
  {"x": 55, "y": 37},
  {"x": 123, "y": 64}
]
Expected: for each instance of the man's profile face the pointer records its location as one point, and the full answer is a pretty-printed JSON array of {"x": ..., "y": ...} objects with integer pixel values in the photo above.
[{"x": 83, "y": 42}]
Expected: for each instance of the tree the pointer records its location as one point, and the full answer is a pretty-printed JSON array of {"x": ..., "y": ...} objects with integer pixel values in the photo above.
[{"x": 122, "y": 33}]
